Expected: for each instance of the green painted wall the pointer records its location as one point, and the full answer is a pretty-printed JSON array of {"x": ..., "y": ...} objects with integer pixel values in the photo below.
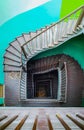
[
  {"x": 1, "y": 101},
  {"x": 74, "y": 48},
  {"x": 69, "y": 5}
]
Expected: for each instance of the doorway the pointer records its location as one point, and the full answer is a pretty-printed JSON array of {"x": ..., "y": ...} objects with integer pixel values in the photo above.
[
  {"x": 43, "y": 89},
  {"x": 45, "y": 84}
]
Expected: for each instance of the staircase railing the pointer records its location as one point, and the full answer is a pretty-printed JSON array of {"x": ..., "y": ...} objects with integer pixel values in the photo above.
[
  {"x": 23, "y": 85},
  {"x": 23, "y": 76},
  {"x": 49, "y": 37},
  {"x": 52, "y": 35},
  {"x": 62, "y": 84}
]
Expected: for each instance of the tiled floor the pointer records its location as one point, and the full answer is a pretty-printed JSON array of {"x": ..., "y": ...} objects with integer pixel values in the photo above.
[{"x": 42, "y": 118}]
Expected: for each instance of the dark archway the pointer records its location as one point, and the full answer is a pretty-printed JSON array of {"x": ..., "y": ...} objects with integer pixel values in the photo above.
[
  {"x": 74, "y": 78},
  {"x": 46, "y": 84}
]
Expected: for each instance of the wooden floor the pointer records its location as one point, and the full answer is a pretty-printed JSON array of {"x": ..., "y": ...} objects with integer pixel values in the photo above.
[{"x": 41, "y": 118}]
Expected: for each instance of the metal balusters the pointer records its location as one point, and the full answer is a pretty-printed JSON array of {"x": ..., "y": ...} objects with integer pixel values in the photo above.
[
  {"x": 55, "y": 33},
  {"x": 55, "y": 36},
  {"x": 23, "y": 86},
  {"x": 28, "y": 45},
  {"x": 51, "y": 39},
  {"x": 38, "y": 41},
  {"x": 32, "y": 34},
  {"x": 64, "y": 83},
  {"x": 48, "y": 38},
  {"x": 60, "y": 33},
  {"x": 27, "y": 38},
  {"x": 43, "y": 39}
]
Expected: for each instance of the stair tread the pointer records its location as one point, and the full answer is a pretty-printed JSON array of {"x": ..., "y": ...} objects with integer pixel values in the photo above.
[{"x": 16, "y": 45}]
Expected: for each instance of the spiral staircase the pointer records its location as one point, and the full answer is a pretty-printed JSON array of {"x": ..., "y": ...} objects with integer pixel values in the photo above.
[{"x": 28, "y": 45}]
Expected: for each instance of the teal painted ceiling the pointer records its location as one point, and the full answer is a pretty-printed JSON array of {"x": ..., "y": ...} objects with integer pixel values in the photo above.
[{"x": 10, "y": 8}]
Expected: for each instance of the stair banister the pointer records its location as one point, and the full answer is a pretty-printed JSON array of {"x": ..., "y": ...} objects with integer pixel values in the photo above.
[
  {"x": 82, "y": 7},
  {"x": 80, "y": 18}
]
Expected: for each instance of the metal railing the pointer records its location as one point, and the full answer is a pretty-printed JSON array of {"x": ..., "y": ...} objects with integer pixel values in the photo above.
[
  {"x": 51, "y": 35},
  {"x": 23, "y": 86},
  {"x": 64, "y": 83}
]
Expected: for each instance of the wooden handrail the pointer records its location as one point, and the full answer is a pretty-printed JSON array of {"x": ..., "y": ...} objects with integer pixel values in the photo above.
[
  {"x": 82, "y": 7},
  {"x": 80, "y": 18},
  {"x": 24, "y": 51}
]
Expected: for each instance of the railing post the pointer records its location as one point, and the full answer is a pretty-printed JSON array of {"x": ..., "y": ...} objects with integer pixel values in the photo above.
[
  {"x": 22, "y": 47},
  {"x": 80, "y": 18}
]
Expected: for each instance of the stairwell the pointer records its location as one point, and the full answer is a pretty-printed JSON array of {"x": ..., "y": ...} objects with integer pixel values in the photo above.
[{"x": 28, "y": 45}]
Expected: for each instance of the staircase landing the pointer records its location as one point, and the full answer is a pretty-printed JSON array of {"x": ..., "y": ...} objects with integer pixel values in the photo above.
[{"x": 39, "y": 103}]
